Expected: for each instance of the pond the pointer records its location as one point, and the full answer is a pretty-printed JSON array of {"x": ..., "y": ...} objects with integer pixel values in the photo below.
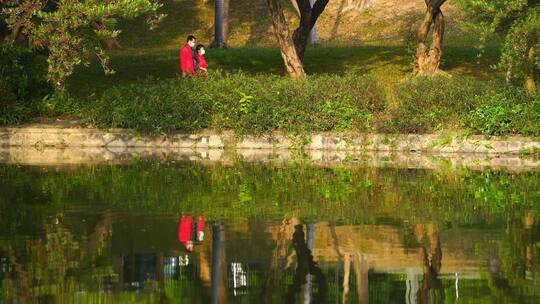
[{"x": 165, "y": 231}]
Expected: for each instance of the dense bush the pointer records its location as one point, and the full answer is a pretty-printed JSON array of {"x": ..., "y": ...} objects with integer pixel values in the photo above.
[
  {"x": 264, "y": 103},
  {"x": 509, "y": 111},
  {"x": 261, "y": 104},
  {"x": 246, "y": 104},
  {"x": 22, "y": 84},
  {"x": 428, "y": 104}
]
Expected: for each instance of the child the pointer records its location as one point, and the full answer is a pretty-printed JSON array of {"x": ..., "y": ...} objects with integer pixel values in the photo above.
[{"x": 199, "y": 58}]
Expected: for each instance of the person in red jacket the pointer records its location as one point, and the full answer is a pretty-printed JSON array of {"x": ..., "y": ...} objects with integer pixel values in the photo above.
[
  {"x": 186, "y": 57},
  {"x": 199, "y": 59}
]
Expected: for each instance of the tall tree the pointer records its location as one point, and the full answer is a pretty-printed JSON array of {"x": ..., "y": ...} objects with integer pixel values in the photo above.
[
  {"x": 313, "y": 34},
  {"x": 293, "y": 46},
  {"x": 70, "y": 30},
  {"x": 429, "y": 57},
  {"x": 517, "y": 22},
  {"x": 308, "y": 18},
  {"x": 293, "y": 64}
]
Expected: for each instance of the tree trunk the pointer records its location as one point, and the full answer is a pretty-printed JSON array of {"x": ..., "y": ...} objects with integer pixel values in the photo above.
[
  {"x": 361, "y": 269},
  {"x": 429, "y": 57},
  {"x": 225, "y": 25},
  {"x": 530, "y": 84},
  {"x": 293, "y": 64},
  {"x": 301, "y": 34},
  {"x": 308, "y": 19},
  {"x": 111, "y": 44},
  {"x": 346, "y": 277},
  {"x": 221, "y": 24}
]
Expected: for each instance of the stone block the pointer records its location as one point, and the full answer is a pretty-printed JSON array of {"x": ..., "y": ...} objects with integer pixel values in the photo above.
[
  {"x": 514, "y": 146},
  {"x": 215, "y": 141},
  {"x": 499, "y": 146}
]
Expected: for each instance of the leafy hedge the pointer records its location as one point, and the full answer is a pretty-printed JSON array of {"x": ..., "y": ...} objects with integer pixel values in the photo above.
[
  {"x": 358, "y": 103},
  {"x": 246, "y": 104},
  {"x": 260, "y": 104}
]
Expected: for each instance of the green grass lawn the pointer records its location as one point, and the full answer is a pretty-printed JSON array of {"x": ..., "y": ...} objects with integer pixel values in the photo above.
[
  {"x": 366, "y": 44},
  {"x": 388, "y": 64}
]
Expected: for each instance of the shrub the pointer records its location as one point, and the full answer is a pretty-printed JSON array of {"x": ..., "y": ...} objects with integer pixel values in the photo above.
[
  {"x": 22, "y": 84},
  {"x": 153, "y": 107},
  {"x": 247, "y": 104},
  {"x": 261, "y": 104},
  {"x": 508, "y": 111},
  {"x": 428, "y": 104}
]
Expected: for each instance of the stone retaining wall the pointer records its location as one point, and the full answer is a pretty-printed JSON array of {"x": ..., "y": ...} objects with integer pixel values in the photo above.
[{"x": 118, "y": 140}]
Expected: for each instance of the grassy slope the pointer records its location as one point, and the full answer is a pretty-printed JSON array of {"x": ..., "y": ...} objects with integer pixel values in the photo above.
[{"x": 368, "y": 41}]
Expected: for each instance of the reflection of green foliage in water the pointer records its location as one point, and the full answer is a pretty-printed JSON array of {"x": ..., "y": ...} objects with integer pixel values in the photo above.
[
  {"x": 350, "y": 195},
  {"x": 255, "y": 190},
  {"x": 57, "y": 265}
]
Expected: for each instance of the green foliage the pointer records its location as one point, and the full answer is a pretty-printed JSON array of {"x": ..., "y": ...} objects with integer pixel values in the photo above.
[
  {"x": 518, "y": 23},
  {"x": 521, "y": 48},
  {"x": 247, "y": 104},
  {"x": 69, "y": 225},
  {"x": 430, "y": 104},
  {"x": 261, "y": 104},
  {"x": 354, "y": 194},
  {"x": 507, "y": 112},
  {"x": 22, "y": 84},
  {"x": 72, "y": 30},
  {"x": 155, "y": 107}
]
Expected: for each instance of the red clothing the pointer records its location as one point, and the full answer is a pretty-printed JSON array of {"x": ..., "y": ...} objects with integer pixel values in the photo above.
[
  {"x": 184, "y": 229},
  {"x": 201, "y": 62},
  {"x": 186, "y": 60},
  {"x": 200, "y": 224}
]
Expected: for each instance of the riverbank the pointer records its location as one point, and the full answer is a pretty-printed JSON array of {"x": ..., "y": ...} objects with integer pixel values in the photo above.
[
  {"x": 91, "y": 144},
  {"x": 47, "y": 135}
]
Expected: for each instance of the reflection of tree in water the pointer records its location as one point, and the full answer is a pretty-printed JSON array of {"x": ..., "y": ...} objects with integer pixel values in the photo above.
[
  {"x": 512, "y": 270},
  {"x": 219, "y": 265},
  {"x": 278, "y": 262},
  {"x": 305, "y": 266},
  {"x": 432, "y": 289},
  {"x": 53, "y": 262},
  {"x": 528, "y": 223}
]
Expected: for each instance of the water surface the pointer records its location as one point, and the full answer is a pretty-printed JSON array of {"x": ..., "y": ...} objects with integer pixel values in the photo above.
[{"x": 151, "y": 231}]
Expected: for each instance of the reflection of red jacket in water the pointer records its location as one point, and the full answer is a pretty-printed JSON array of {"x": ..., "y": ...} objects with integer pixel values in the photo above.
[{"x": 184, "y": 230}]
